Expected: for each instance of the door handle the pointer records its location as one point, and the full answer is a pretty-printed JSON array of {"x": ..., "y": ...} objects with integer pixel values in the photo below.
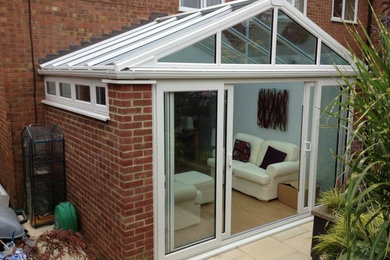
[
  {"x": 229, "y": 160},
  {"x": 307, "y": 146}
]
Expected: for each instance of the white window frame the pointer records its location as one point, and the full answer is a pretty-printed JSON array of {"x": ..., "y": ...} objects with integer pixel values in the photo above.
[
  {"x": 203, "y": 4},
  {"x": 292, "y": 2},
  {"x": 90, "y": 109},
  {"x": 342, "y": 18}
]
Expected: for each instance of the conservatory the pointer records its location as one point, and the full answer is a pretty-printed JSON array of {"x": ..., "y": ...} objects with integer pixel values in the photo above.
[{"x": 237, "y": 90}]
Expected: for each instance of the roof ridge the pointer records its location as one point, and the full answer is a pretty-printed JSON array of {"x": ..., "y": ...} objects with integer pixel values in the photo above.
[{"x": 96, "y": 39}]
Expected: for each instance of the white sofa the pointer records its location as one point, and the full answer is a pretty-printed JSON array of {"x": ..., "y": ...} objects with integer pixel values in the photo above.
[{"x": 252, "y": 180}]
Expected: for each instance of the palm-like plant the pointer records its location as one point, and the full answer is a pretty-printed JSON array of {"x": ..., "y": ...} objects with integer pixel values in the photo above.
[{"x": 362, "y": 231}]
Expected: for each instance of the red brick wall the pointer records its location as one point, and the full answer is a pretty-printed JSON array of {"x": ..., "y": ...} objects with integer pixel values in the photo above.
[
  {"x": 109, "y": 172},
  {"x": 56, "y": 24},
  {"x": 320, "y": 12}
]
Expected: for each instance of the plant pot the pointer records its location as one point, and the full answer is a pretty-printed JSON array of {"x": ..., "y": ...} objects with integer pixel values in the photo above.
[{"x": 323, "y": 220}]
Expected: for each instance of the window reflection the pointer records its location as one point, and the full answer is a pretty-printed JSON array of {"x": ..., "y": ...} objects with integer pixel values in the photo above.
[
  {"x": 248, "y": 42},
  {"x": 295, "y": 45}
]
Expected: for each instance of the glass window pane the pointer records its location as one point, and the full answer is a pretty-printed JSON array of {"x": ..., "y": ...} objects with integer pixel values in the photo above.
[
  {"x": 200, "y": 52},
  {"x": 337, "y": 8},
  {"x": 349, "y": 10},
  {"x": 190, "y": 3},
  {"x": 100, "y": 95},
  {"x": 329, "y": 57},
  {"x": 300, "y": 5},
  {"x": 50, "y": 87},
  {"x": 190, "y": 127},
  {"x": 248, "y": 42},
  {"x": 65, "y": 90},
  {"x": 83, "y": 93},
  {"x": 213, "y": 2},
  {"x": 330, "y": 133},
  {"x": 295, "y": 45}
]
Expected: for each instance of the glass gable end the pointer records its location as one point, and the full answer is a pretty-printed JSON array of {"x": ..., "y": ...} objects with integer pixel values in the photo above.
[
  {"x": 248, "y": 42},
  {"x": 329, "y": 57},
  {"x": 295, "y": 45}
]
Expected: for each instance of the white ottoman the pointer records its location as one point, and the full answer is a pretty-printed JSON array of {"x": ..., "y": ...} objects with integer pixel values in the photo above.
[{"x": 204, "y": 183}]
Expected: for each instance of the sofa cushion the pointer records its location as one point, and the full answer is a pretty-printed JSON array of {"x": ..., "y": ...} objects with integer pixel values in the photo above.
[
  {"x": 290, "y": 149},
  {"x": 241, "y": 150},
  {"x": 255, "y": 144},
  {"x": 272, "y": 156},
  {"x": 252, "y": 173}
]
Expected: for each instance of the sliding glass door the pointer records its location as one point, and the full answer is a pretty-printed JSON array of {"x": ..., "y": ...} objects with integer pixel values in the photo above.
[{"x": 190, "y": 149}]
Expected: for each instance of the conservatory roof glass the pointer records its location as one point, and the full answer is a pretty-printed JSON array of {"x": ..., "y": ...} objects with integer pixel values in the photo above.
[{"x": 240, "y": 35}]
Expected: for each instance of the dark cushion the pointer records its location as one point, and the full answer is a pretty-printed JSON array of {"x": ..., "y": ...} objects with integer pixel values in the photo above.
[
  {"x": 241, "y": 150},
  {"x": 271, "y": 156}
]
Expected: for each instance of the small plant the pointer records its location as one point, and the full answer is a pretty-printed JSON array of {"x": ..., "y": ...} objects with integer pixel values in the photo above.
[
  {"x": 55, "y": 244},
  {"x": 333, "y": 200}
]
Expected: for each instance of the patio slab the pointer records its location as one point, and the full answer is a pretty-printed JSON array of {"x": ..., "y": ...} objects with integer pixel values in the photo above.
[{"x": 292, "y": 244}]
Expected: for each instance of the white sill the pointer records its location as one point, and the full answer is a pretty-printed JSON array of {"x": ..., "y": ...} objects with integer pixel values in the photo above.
[
  {"x": 77, "y": 110},
  {"x": 339, "y": 20}
]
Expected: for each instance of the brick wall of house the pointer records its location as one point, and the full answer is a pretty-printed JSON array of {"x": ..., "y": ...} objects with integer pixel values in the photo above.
[
  {"x": 56, "y": 25},
  {"x": 109, "y": 171},
  {"x": 320, "y": 12}
]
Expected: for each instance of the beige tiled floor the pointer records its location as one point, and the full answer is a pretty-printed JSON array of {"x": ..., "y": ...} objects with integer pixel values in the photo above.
[{"x": 292, "y": 244}]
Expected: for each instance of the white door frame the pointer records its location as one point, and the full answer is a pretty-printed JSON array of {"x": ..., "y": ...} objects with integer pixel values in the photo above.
[
  {"x": 159, "y": 169},
  {"x": 225, "y": 237}
]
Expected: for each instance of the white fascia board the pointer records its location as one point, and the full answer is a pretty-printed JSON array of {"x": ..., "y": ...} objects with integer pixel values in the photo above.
[
  {"x": 234, "y": 73},
  {"x": 182, "y": 23},
  {"x": 209, "y": 72},
  {"x": 107, "y": 41},
  {"x": 317, "y": 31},
  {"x": 135, "y": 82},
  {"x": 114, "y": 45},
  {"x": 75, "y": 73},
  {"x": 198, "y": 34}
]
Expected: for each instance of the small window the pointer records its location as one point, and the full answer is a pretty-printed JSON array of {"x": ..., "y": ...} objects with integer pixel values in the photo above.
[
  {"x": 345, "y": 10},
  {"x": 100, "y": 95},
  {"x": 65, "y": 90},
  {"x": 248, "y": 42},
  {"x": 295, "y": 45},
  {"x": 299, "y": 4},
  {"x": 83, "y": 93},
  {"x": 51, "y": 87},
  {"x": 188, "y": 5},
  {"x": 329, "y": 57}
]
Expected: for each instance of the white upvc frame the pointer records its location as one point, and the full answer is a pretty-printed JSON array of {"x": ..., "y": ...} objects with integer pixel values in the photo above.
[
  {"x": 226, "y": 241},
  {"x": 306, "y": 145},
  {"x": 159, "y": 169},
  {"x": 90, "y": 109},
  {"x": 202, "y": 3},
  {"x": 343, "y": 10}
]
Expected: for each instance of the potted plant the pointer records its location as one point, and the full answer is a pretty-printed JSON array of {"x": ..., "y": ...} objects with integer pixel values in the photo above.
[{"x": 361, "y": 229}]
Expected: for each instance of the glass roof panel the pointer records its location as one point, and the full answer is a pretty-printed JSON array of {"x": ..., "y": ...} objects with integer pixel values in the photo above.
[
  {"x": 200, "y": 52},
  {"x": 295, "y": 45},
  {"x": 329, "y": 57},
  {"x": 168, "y": 35},
  {"x": 248, "y": 42}
]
